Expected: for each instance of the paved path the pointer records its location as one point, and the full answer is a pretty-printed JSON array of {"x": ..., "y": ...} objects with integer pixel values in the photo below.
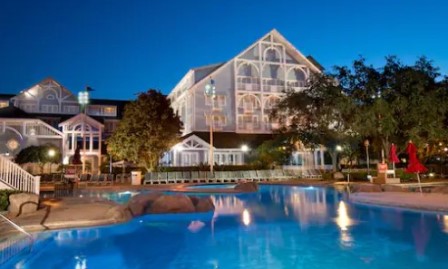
[
  {"x": 413, "y": 200},
  {"x": 71, "y": 213}
]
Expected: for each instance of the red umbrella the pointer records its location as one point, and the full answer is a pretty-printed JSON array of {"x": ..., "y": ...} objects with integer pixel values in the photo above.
[
  {"x": 414, "y": 165},
  {"x": 393, "y": 158}
]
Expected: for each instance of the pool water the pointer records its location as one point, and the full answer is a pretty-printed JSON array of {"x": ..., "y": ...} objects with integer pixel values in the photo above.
[
  {"x": 278, "y": 227},
  {"x": 212, "y": 186}
]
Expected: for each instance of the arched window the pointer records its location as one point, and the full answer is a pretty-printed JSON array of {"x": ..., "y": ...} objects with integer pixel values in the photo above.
[
  {"x": 297, "y": 74},
  {"x": 249, "y": 102},
  {"x": 271, "y": 102},
  {"x": 248, "y": 70},
  {"x": 272, "y": 55},
  {"x": 273, "y": 71}
]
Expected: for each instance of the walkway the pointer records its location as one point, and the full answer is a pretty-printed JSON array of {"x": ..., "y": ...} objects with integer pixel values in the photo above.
[{"x": 413, "y": 200}]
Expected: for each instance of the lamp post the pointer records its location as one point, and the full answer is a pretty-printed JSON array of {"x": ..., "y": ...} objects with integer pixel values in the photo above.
[
  {"x": 83, "y": 99},
  {"x": 367, "y": 144},
  {"x": 210, "y": 91}
]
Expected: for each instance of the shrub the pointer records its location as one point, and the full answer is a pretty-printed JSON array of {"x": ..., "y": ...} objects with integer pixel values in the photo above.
[{"x": 4, "y": 198}]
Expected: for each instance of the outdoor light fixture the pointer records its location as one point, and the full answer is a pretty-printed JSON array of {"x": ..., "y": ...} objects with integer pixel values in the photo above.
[
  {"x": 178, "y": 147},
  {"x": 367, "y": 144},
  {"x": 51, "y": 153},
  {"x": 244, "y": 148},
  {"x": 83, "y": 100},
  {"x": 338, "y": 148},
  {"x": 210, "y": 91}
]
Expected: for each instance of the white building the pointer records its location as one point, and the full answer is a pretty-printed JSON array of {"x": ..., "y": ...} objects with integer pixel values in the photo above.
[
  {"x": 48, "y": 113},
  {"x": 247, "y": 87}
]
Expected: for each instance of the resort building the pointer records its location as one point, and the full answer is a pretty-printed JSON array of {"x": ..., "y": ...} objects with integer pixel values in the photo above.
[
  {"x": 48, "y": 113},
  {"x": 245, "y": 89}
]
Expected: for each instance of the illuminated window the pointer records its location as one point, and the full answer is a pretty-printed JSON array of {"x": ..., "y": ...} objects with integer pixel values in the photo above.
[
  {"x": 109, "y": 111},
  {"x": 4, "y": 104}
]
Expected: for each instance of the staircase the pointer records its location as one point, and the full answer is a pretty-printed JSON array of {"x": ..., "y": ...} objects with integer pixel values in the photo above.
[{"x": 12, "y": 176}]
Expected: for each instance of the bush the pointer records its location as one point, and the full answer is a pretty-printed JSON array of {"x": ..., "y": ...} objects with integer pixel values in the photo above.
[
  {"x": 4, "y": 198},
  {"x": 400, "y": 173}
]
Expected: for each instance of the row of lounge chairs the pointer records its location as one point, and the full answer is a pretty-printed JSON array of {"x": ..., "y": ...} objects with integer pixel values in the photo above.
[
  {"x": 98, "y": 179},
  {"x": 224, "y": 176}
]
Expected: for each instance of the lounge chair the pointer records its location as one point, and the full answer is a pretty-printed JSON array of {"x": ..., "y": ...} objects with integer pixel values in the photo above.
[
  {"x": 202, "y": 177},
  {"x": 163, "y": 177},
  {"x": 171, "y": 177},
  {"x": 220, "y": 176},
  {"x": 186, "y": 175},
  {"x": 211, "y": 177}
]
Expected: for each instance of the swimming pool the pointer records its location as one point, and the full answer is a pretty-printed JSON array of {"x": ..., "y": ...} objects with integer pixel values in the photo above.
[{"x": 278, "y": 227}]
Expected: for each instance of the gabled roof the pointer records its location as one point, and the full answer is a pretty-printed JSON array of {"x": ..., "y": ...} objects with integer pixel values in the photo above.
[
  {"x": 212, "y": 69},
  {"x": 46, "y": 81},
  {"x": 203, "y": 71},
  {"x": 230, "y": 140},
  {"x": 79, "y": 118}
]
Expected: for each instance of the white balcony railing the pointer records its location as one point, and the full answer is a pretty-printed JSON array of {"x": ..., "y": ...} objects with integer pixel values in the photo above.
[{"x": 16, "y": 177}]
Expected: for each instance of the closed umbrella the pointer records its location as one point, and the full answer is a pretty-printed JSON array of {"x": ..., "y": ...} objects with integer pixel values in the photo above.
[
  {"x": 393, "y": 158},
  {"x": 414, "y": 165}
]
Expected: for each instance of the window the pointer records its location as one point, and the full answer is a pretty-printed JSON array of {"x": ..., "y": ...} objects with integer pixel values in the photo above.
[
  {"x": 29, "y": 107},
  {"x": 219, "y": 121},
  {"x": 102, "y": 110},
  {"x": 109, "y": 111},
  {"x": 50, "y": 109},
  {"x": 219, "y": 101},
  {"x": 110, "y": 126},
  {"x": 50, "y": 97},
  {"x": 71, "y": 109},
  {"x": 4, "y": 104}
]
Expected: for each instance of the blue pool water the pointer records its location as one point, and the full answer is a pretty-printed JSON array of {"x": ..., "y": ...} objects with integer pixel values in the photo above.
[{"x": 278, "y": 227}]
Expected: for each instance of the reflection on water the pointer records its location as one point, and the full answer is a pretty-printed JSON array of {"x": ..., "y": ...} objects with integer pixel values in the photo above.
[
  {"x": 277, "y": 227},
  {"x": 246, "y": 217},
  {"x": 343, "y": 220}
]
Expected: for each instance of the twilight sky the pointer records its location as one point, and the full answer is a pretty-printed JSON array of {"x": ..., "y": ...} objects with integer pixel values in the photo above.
[{"x": 120, "y": 48}]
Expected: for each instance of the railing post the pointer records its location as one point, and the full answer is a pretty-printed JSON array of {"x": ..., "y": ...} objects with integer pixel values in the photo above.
[{"x": 37, "y": 185}]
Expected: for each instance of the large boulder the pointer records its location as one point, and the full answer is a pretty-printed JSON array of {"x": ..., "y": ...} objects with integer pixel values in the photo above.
[
  {"x": 366, "y": 188},
  {"x": 204, "y": 204},
  {"x": 338, "y": 176},
  {"x": 119, "y": 213},
  {"x": 140, "y": 203},
  {"x": 246, "y": 187},
  {"x": 171, "y": 204},
  {"x": 23, "y": 203},
  {"x": 394, "y": 188}
]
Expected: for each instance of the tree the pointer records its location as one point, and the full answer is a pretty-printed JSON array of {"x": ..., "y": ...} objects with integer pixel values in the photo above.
[
  {"x": 148, "y": 129},
  {"x": 40, "y": 155},
  {"x": 319, "y": 115},
  {"x": 271, "y": 153},
  {"x": 397, "y": 102},
  {"x": 394, "y": 103}
]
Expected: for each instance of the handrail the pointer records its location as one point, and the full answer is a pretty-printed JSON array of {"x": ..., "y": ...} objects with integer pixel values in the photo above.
[
  {"x": 20, "y": 229},
  {"x": 13, "y": 246},
  {"x": 16, "y": 177}
]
